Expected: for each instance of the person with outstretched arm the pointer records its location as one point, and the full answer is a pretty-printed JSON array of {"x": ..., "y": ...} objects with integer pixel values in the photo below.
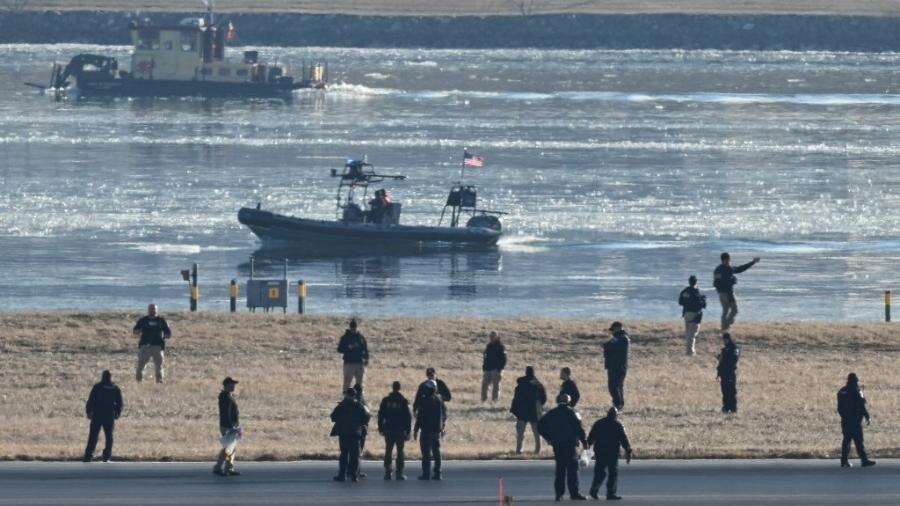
[{"x": 724, "y": 280}]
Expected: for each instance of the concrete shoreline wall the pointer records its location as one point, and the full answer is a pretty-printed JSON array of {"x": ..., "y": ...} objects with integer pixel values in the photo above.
[{"x": 570, "y": 31}]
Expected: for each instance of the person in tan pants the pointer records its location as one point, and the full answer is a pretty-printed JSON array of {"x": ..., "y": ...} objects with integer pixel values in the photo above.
[
  {"x": 492, "y": 365},
  {"x": 355, "y": 351},
  {"x": 153, "y": 331}
]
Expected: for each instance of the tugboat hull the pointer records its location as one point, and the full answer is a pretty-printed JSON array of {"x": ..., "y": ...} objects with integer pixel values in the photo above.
[
  {"x": 170, "y": 88},
  {"x": 279, "y": 230}
]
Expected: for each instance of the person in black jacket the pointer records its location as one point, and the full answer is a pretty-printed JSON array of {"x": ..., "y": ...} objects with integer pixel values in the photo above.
[
  {"x": 615, "y": 360},
  {"x": 851, "y": 406},
  {"x": 103, "y": 407},
  {"x": 726, "y": 371},
  {"x": 229, "y": 420},
  {"x": 561, "y": 427},
  {"x": 395, "y": 424},
  {"x": 608, "y": 437},
  {"x": 153, "y": 331},
  {"x": 527, "y": 405},
  {"x": 569, "y": 387},
  {"x": 443, "y": 390},
  {"x": 431, "y": 418},
  {"x": 692, "y": 303},
  {"x": 724, "y": 280},
  {"x": 355, "y": 351},
  {"x": 492, "y": 365},
  {"x": 350, "y": 419}
]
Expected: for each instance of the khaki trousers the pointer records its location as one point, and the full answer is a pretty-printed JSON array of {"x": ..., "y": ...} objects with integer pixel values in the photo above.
[
  {"x": 145, "y": 354},
  {"x": 729, "y": 309},
  {"x": 353, "y": 372},
  {"x": 520, "y": 435},
  {"x": 691, "y": 329},
  {"x": 492, "y": 379}
]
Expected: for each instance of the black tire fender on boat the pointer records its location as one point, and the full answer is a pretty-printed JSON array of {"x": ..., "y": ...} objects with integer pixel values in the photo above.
[{"x": 484, "y": 221}]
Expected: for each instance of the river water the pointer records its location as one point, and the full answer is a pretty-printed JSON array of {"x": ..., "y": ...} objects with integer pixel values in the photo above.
[{"x": 623, "y": 173}]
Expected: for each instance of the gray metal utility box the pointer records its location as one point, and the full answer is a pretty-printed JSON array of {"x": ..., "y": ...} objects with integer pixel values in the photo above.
[{"x": 267, "y": 293}]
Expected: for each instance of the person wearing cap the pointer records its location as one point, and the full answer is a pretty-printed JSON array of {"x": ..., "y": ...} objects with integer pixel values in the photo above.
[
  {"x": 103, "y": 408},
  {"x": 615, "y": 360},
  {"x": 350, "y": 419},
  {"x": 528, "y": 402},
  {"x": 726, "y": 372},
  {"x": 562, "y": 428},
  {"x": 229, "y": 420},
  {"x": 355, "y": 351},
  {"x": 153, "y": 331},
  {"x": 431, "y": 420},
  {"x": 608, "y": 437},
  {"x": 395, "y": 424},
  {"x": 692, "y": 303},
  {"x": 724, "y": 280},
  {"x": 431, "y": 379},
  {"x": 851, "y": 405},
  {"x": 492, "y": 364},
  {"x": 569, "y": 387}
]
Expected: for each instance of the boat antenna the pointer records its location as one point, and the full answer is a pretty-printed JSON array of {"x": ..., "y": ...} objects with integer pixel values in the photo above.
[{"x": 210, "y": 11}]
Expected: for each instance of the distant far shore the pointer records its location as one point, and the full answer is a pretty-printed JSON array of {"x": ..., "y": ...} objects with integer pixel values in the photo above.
[
  {"x": 290, "y": 379},
  {"x": 866, "y": 28}
]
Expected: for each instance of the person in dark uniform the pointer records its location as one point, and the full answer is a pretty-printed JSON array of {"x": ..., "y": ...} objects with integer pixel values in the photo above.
[
  {"x": 431, "y": 418},
  {"x": 154, "y": 331},
  {"x": 851, "y": 406},
  {"x": 443, "y": 390},
  {"x": 355, "y": 351},
  {"x": 492, "y": 365},
  {"x": 350, "y": 419},
  {"x": 561, "y": 427},
  {"x": 724, "y": 280},
  {"x": 395, "y": 424},
  {"x": 608, "y": 437},
  {"x": 528, "y": 402},
  {"x": 692, "y": 303},
  {"x": 103, "y": 407},
  {"x": 229, "y": 420},
  {"x": 569, "y": 387},
  {"x": 615, "y": 360},
  {"x": 726, "y": 371}
]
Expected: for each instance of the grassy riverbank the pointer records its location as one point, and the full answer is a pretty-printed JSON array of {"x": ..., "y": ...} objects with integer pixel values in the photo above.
[
  {"x": 488, "y": 7},
  {"x": 290, "y": 380}
]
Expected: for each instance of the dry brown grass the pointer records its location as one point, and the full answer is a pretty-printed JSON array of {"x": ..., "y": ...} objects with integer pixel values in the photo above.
[
  {"x": 494, "y": 7},
  {"x": 290, "y": 378}
]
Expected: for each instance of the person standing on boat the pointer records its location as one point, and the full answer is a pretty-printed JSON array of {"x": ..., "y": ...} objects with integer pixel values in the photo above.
[
  {"x": 492, "y": 365},
  {"x": 378, "y": 206},
  {"x": 692, "y": 302},
  {"x": 724, "y": 280},
  {"x": 153, "y": 331},
  {"x": 355, "y": 353}
]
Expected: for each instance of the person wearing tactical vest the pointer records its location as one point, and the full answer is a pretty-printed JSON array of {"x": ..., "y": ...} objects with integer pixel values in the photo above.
[
  {"x": 395, "y": 424},
  {"x": 851, "y": 405},
  {"x": 154, "y": 331},
  {"x": 562, "y": 428},
  {"x": 727, "y": 373},
  {"x": 692, "y": 303}
]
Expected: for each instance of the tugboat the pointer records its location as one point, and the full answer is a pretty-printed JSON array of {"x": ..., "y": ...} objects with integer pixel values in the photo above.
[
  {"x": 377, "y": 225},
  {"x": 187, "y": 59}
]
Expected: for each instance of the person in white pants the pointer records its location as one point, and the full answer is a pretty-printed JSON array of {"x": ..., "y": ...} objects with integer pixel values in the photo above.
[{"x": 692, "y": 303}]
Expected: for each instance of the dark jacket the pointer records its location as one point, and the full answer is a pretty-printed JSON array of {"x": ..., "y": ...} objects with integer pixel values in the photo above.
[
  {"x": 561, "y": 427},
  {"x": 393, "y": 415},
  {"x": 570, "y": 388},
  {"x": 528, "y": 396},
  {"x": 431, "y": 416},
  {"x": 608, "y": 437},
  {"x": 615, "y": 351},
  {"x": 442, "y": 389},
  {"x": 724, "y": 277},
  {"x": 494, "y": 357},
  {"x": 350, "y": 418},
  {"x": 104, "y": 402},
  {"x": 229, "y": 416},
  {"x": 691, "y": 300},
  {"x": 354, "y": 348},
  {"x": 851, "y": 405},
  {"x": 728, "y": 359},
  {"x": 154, "y": 331}
]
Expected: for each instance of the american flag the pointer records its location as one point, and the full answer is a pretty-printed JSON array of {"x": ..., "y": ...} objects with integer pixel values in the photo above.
[{"x": 470, "y": 160}]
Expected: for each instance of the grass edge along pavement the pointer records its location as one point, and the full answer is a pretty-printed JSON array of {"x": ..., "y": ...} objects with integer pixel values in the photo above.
[{"x": 290, "y": 380}]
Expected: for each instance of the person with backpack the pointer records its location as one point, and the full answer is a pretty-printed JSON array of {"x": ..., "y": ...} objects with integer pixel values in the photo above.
[
  {"x": 103, "y": 408},
  {"x": 395, "y": 424},
  {"x": 561, "y": 427},
  {"x": 692, "y": 303},
  {"x": 724, "y": 280},
  {"x": 726, "y": 372},
  {"x": 527, "y": 404},
  {"x": 851, "y": 405}
]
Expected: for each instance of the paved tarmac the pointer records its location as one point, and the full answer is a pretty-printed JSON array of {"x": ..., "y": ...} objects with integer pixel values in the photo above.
[{"x": 466, "y": 482}]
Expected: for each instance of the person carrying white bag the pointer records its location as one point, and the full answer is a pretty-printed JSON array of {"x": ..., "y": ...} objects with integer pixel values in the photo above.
[{"x": 229, "y": 427}]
